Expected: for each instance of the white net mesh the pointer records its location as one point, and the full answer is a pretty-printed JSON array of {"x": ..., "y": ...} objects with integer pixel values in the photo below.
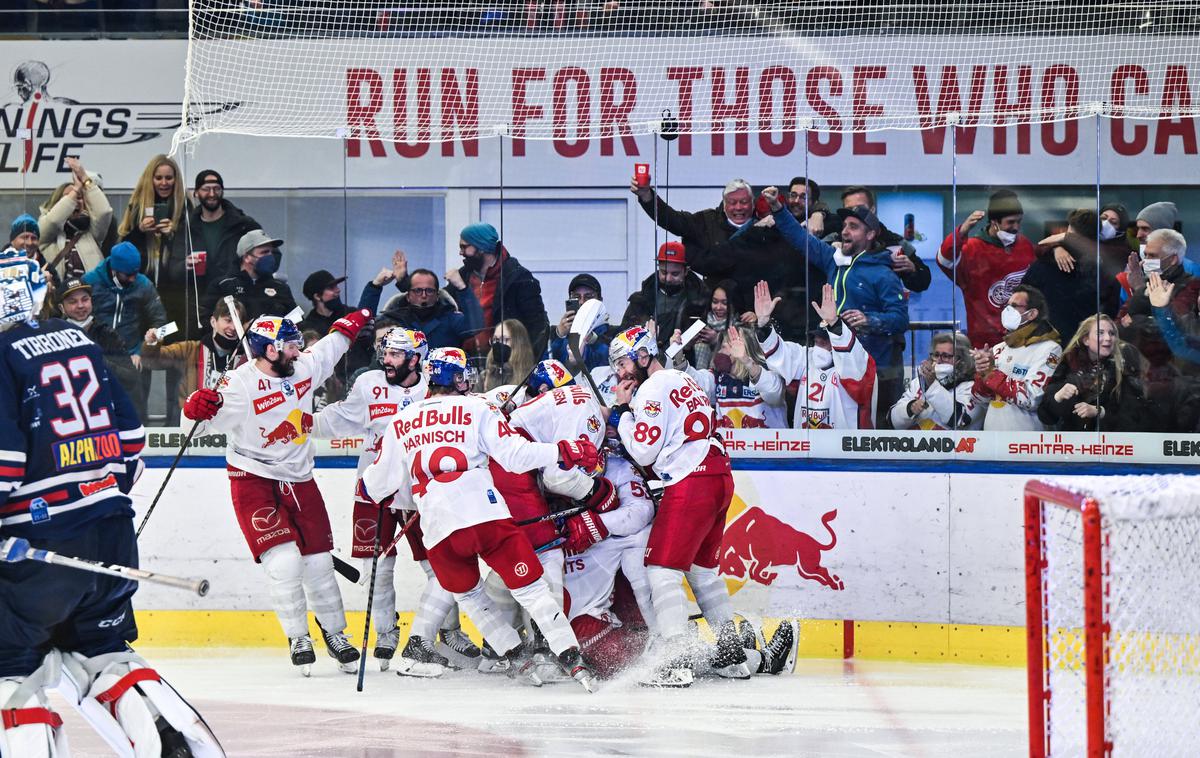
[
  {"x": 574, "y": 69},
  {"x": 1150, "y": 529}
]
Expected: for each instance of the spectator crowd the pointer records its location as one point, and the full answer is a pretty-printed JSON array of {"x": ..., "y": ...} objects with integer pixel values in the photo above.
[{"x": 797, "y": 311}]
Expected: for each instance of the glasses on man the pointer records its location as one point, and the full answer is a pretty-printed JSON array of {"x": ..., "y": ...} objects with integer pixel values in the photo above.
[
  {"x": 423, "y": 290},
  {"x": 942, "y": 356}
]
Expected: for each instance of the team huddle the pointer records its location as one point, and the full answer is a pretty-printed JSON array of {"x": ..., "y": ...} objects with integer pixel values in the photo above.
[{"x": 589, "y": 510}]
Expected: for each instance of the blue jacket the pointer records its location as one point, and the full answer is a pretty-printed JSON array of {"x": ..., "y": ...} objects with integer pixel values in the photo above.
[
  {"x": 129, "y": 310},
  {"x": 868, "y": 284},
  {"x": 595, "y": 354},
  {"x": 443, "y": 325}
]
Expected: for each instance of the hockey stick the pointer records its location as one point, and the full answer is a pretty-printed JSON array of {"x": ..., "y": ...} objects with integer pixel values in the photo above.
[
  {"x": 362, "y": 656},
  {"x": 16, "y": 549},
  {"x": 550, "y": 545},
  {"x": 400, "y": 534},
  {"x": 231, "y": 304}
]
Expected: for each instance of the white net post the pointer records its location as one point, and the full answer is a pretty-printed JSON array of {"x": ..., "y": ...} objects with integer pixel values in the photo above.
[{"x": 1113, "y": 622}]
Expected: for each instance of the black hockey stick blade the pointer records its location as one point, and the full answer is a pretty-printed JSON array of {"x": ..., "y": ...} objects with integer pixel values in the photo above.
[{"x": 345, "y": 569}]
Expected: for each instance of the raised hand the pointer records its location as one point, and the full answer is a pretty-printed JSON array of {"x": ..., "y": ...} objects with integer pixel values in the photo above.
[
  {"x": 764, "y": 304},
  {"x": 1158, "y": 291},
  {"x": 771, "y": 195},
  {"x": 972, "y": 220},
  {"x": 827, "y": 309}
]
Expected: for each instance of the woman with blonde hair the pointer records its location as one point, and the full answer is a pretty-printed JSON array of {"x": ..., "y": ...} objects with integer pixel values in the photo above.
[
  {"x": 1097, "y": 385},
  {"x": 511, "y": 356}
]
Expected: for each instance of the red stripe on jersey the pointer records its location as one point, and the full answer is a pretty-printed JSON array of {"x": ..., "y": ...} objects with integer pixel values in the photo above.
[
  {"x": 16, "y": 472},
  {"x": 13, "y": 506}
]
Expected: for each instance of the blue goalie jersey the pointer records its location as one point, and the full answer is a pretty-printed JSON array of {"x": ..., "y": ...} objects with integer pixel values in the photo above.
[{"x": 69, "y": 436}]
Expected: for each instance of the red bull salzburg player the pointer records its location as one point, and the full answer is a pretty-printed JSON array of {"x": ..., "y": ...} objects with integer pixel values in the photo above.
[
  {"x": 666, "y": 421},
  {"x": 437, "y": 453},
  {"x": 265, "y": 407}
]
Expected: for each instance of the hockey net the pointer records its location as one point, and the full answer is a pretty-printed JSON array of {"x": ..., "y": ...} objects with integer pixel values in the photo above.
[
  {"x": 1113, "y": 618},
  {"x": 312, "y": 68}
]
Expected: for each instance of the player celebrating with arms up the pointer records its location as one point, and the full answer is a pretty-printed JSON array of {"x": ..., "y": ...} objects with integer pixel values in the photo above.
[
  {"x": 665, "y": 421},
  {"x": 437, "y": 453},
  {"x": 266, "y": 409}
]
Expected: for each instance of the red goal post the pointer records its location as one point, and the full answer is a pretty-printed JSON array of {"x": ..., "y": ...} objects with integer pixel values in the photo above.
[{"x": 1113, "y": 615}]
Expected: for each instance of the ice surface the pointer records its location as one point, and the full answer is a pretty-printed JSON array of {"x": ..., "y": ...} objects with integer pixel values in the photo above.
[{"x": 259, "y": 706}]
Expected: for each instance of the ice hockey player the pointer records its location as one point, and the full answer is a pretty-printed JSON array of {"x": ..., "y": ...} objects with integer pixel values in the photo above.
[
  {"x": 437, "y": 453},
  {"x": 608, "y": 641},
  {"x": 666, "y": 421},
  {"x": 836, "y": 375},
  {"x": 69, "y": 453},
  {"x": 265, "y": 407},
  {"x": 374, "y": 398}
]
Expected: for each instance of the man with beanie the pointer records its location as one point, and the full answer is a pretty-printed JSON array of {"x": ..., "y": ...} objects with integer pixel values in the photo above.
[
  {"x": 24, "y": 234},
  {"x": 583, "y": 287},
  {"x": 128, "y": 302},
  {"x": 987, "y": 263},
  {"x": 504, "y": 288},
  {"x": 1155, "y": 216},
  {"x": 253, "y": 284},
  {"x": 216, "y": 226}
]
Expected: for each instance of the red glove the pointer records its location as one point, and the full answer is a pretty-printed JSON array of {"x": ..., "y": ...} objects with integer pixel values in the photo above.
[
  {"x": 202, "y": 404},
  {"x": 580, "y": 452},
  {"x": 352, "y": 323},
  {"x": 583, "y": 530},
  {"x": 603, "y": 497}
]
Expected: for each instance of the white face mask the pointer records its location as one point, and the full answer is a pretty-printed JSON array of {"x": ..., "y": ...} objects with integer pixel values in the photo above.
[
  {"x": 841, "y": 259},
  {"x": 1010, "y": 318},
  {"x": 1006, "y": 238},
  {"x": 1151, "y": 265},
  {"x": 943, "y": 371},
  {"x": 1141, "y": 251},
  {"x": 1107, "y": 230},
  {"x": 821, "y": 358}
]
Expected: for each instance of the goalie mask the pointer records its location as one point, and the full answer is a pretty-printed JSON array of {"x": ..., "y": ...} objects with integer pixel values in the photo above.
[
  {"x": 632, "y": 344},
  {"x": 399, "y": 347},
  {"x": 447, "y": 367},
  {"x": 550, "y": 374},
  {"x": 22, "y": 290}
]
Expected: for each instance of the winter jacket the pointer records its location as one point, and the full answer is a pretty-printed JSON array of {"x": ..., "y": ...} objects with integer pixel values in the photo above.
[
  {"x": 867, "y": 284},
  {"x": 169, "y": 274},
  {"x": 716, "y": 250},
  {"x": 223, "y": 261},
  {"x": 196, "y": 360},
  {"x": 130, "y": 310},
  {"x": 1121, "y": 412},
  {"x": 363, "y": 350},
  {"x": 520, "y": 299},
  {"x": 594, "y": 354},
  {"x": 673, "y": 312},
  {"x": 265, "y": 296},
  {"x": 1144, "y": 331},
  {"x": 52, "y": 222},
  {"x": 1071, "y": 296},
  {"x": 444, "y": 325},
  {"x": 917, "y": 280}
]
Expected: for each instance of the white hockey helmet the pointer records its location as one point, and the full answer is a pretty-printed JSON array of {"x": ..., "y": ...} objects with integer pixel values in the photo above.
[{"x": 629, "y": 343}]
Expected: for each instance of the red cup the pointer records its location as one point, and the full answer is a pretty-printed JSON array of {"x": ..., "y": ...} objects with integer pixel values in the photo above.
[
  {"x": 641, "y": 172},
  {"x": 200, "y": 263}
]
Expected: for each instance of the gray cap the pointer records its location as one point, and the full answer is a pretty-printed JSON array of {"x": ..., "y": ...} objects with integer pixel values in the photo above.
[
  {"x": 253, "y": 239},
  {"x": 1159, "y": 215}
]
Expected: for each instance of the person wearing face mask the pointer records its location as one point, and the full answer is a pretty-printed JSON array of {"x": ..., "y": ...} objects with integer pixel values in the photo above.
[
  {"x": 731, "y": 242},
  {"x": 1097, "y": 384},
  {"x": 1163, "y": 254},
  {"x": 745, "y": 394},
  {"x": 254, "y": 284},
  {"x": 835, "y": 375},
  {"x": 509, "y": 356},
  {"x": 128, "y": 302},
  {"x": 986, "y": 262},
  {"x": 1066, "y": 272},
  {"x": 324, "y": 292},
  {"x": 75, "y": 305},
  {"x": 201, "y": 362},
  {"x": 941, "y": 395},
  {"x": 74, "y": 223},
  {"x": 503, "y": 288},
  {"x": 1011, "y": 377},
  {"x": 673, "y": 294}
]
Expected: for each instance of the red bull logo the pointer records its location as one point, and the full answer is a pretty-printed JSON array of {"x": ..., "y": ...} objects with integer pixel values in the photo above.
[
  {"x": 294, "y": 428},
  {"x": 758, "y": 546}
]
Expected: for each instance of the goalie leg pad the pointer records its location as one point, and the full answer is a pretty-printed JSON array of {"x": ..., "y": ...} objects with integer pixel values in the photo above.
[
  {"x": 28, "y": 728},
  {"x": 285, "y": 571},
  {"x": 320, "y": 583},
  {"x": 127, "y": 702}
]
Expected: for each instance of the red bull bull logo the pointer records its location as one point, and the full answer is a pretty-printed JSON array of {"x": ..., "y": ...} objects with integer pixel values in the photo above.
[
  {"x": 758, "y": 546},
  {"x": 294, "y": 428}
]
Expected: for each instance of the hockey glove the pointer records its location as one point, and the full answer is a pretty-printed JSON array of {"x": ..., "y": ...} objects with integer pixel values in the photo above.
[
  {"x": 580, "y": 452},
  {"x": 603, "y": 497},
  {"x": 351, "y": 324},
  {"x": 202, "y": 404},
  {"x": 583, "y": 530}
]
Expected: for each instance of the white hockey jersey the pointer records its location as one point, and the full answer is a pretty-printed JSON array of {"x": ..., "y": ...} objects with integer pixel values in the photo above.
[
  {"x": 938, "y": 412},
  {"x": 267, "y": 419},
  {"x": 1014, "y": 390},
  {"x": 438, "y": 449},
  {"x": 744, "y": 405},
  {"x": 671, "y": 425},
  {"x": 840, "y": 396},
  {"x": 590, "y": 576},
  {"x": 367, "y": 409},
  {"x": 605, "y": 379},
  {"x": 565, "y": 413}
]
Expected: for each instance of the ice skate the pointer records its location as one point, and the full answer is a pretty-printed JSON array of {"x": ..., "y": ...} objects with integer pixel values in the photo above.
[
  {"x": 174, "y": 744},
  {"x": 729, "y": 661},
  {"x": 491, "y": 662},
  {"x": 779, "y": 655},
  {"x": 548, "y": 667},
  {"x": 420, "y": 659},
  {"x": 302, "y": 654},
  {"x": 458, "y": 648},
  {"x": 385, "y": 647},
  {"x": 340, "y": 649},
  {"x": 517, "y": 663},
  {"x": 577, "y": 668},
  {"x": 676, "y": 669}
]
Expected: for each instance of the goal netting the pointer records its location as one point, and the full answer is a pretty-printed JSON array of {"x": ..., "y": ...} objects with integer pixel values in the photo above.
[
  {"x": 582, "y": 69},
  {"x": 1113, "y": 603}
]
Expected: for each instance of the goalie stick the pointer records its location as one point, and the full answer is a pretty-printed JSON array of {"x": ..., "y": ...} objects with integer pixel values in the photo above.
[{"x": 16, "y": 549}]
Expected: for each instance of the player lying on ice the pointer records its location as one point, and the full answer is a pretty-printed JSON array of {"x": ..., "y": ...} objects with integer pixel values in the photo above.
[
  {"x": 436, "y": 454},
  {"x": 70, "y": 441}
]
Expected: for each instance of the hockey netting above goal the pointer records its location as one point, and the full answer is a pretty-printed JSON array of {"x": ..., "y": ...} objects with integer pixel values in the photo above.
[
  {"x": 552, "y": 69},
  {"x": 1114, "y": 615}
]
